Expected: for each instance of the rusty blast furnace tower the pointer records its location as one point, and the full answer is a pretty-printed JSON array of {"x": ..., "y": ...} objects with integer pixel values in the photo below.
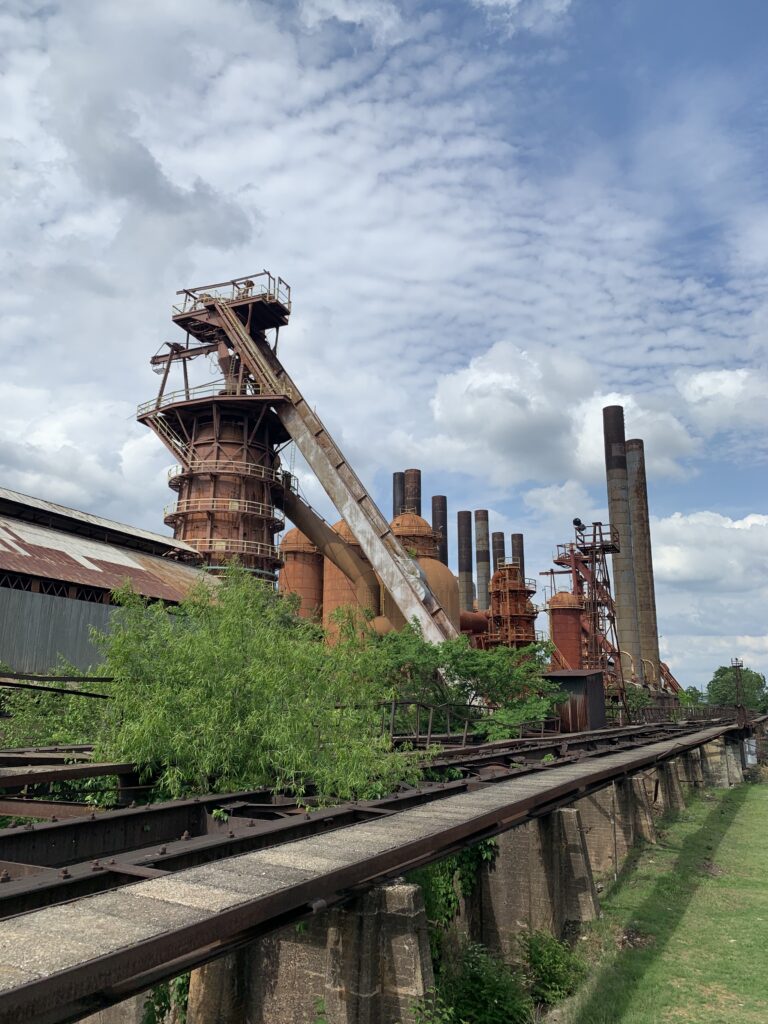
[{"x": 224, "y": 433}]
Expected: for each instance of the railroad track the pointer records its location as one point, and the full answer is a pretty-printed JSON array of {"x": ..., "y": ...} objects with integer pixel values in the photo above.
[
  {"x": 47, "y": 863},
  {"x": 61, "y": 962}
]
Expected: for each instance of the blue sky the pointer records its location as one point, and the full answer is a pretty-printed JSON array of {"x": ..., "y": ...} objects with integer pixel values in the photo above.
[{"x": 497, "y": 216}]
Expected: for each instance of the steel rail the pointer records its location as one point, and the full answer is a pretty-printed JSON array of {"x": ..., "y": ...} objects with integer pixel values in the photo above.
[
  {"x": 73, "y": 988},
  {"x": 105, "y": 850}
]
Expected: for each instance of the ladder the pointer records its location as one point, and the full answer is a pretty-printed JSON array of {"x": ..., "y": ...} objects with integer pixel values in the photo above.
[
  {"x": 175, "y": 444},
  {"x": 399, "y": 573}
]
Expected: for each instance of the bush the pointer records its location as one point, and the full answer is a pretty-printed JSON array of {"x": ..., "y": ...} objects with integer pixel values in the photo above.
[
  {"x": 554, "y": 971},
  {"x": 481, "y": 989}
]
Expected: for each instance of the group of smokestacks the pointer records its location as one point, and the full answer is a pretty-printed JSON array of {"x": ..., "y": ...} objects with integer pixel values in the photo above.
[
  {"x": 634, "y": 591},
  {"x": 406, "y": 497}
]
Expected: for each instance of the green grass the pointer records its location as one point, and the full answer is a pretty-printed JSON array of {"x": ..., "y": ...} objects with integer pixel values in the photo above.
[{"x": 684, "y": 933}]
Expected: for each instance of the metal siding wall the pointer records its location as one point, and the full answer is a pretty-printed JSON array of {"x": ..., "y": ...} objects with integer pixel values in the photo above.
[{"x": 36, "y": 628}]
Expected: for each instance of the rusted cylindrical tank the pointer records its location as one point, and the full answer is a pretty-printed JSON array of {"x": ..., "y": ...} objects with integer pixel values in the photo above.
[
  {"x": 225, "y": 506},
  {"x": 565, "y": 627},
  {"x": 482, "y": 558},
  {"x": 338, "y": 590},
  {"x": 418, "y": 539},
  {"x": 464, "y": 535},
  {"x": 398, "y": 493},
  {"x": 473, "y": 622},
  {"x": 440, "y": 525},
  {"x": 302, "y": 573},
  {"x": 412, "y": 500},
  {"x": 641, "y": 548},
  {"x": 624, "y": 585},
  {"x": 498, "y": 551}
]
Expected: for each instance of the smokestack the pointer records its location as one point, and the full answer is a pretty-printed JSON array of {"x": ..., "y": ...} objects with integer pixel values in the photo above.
[
  {"x": 482, "y": 558},
  {"x": 440, "y": 525},
  {"x": 412, "y": 500},
  {"x": 464, "y": 532},
  {"x": 619, "y": 516},
  {"x": 518, "y": 552},
  {"x": 398, "y": 494},
  {"x": 497, "y": 549},
  {"x": 641, "y": 545}
]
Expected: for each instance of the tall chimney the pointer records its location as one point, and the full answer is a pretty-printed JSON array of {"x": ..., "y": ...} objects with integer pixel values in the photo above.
[
  {"x": 464, "y": 533},
  {"x": 412, "y": 499},
  {"x": 440, "y": 525},
  {"x": 398, "y": 494},
  {"x": 641, "y": 545},
  {"x": 518, "y": 552},
  {"x": 619, "y": 515},
  {"x": 482, "y": 558},
  {"x": 498, "y": 551}
]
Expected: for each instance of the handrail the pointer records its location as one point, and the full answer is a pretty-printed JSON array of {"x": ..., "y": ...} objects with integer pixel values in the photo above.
[
  {"x": 226, "y": 546},
  {"x": 255, "y": 508},
  {"x": 235, "y": 467},
  {"x": 220, "y": 388},
  {"x": 261, "y": 285}
]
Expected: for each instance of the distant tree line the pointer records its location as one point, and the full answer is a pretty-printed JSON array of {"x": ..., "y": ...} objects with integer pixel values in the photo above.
[{"x": 721, "y": 689}]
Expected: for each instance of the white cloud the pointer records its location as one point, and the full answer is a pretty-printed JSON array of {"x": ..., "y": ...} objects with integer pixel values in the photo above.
[{"x": 532, "y": 15}]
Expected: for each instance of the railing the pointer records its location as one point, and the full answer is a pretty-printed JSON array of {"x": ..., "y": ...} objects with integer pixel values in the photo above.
[
  {"x": 234, "y": 467},
  {"x": 420, "y": 723},
  {"x": 238, "y": 505},
  {"x": 225, "y": 546},
  {"x": 220, "y": 388},
  {"x": 262, "y": 285}
]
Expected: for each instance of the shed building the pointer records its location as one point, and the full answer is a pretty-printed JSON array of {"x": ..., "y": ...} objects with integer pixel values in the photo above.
[{"x": 58, "y": 568}]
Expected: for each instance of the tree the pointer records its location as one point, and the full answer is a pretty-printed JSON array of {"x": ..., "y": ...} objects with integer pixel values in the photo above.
[
  {"x": 721, "y": 688},
  {"x": 691, "y": 696}
]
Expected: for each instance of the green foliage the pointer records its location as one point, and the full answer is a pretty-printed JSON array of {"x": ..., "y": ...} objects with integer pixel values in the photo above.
[
  {"x": 554, "y": 970},
  {"x": 480, "y": 988},
  {"x": 691, "y": 696},
  {"x": 637, "y": 699},
  {"x": 721, "y": 688},
  {"x": 163, "y": 998},
  {"x": 444, "y": 883},
  {"x": 234, "y": 691},
  {"x": 433, "y": 1009},
  {"x": 321, "y": 1014}
]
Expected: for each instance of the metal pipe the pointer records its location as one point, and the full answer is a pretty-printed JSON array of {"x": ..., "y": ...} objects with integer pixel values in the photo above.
[
  {"x": 482, "y": 558},
  {"x": 398, "y": 494},
  {"x": 498, "y": 550},
  {"x": 518, "y": 552},
  {"x": 464, "y": 535},
  {"x": 620, "y": 518},
  {"x": 412, "y": 500},
  {"x": 643, "y": 555},
  {"x": 440, "y": 525}
]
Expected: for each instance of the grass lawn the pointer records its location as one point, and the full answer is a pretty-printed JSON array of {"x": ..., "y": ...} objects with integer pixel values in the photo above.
[{"x": 684, "y": 933}]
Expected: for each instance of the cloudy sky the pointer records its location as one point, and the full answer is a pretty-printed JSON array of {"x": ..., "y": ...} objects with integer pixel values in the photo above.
[{"x": 496, "y": 216}]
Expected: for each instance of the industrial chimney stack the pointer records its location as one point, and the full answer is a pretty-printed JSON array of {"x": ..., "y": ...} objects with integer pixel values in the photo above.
[
  {"x": 412, "y": 500},
  {"x": 482, "y": 558},
  {"x": 518, "y": 552},
  {"x": 440, "y": 525},
  {"x": 641, "y": 546},
  {"x": 497, "y": 549},
  {"x": 464, "y": 535},
  {"x": 398, "y": 494},
  {"x": 624, "y": 583}
]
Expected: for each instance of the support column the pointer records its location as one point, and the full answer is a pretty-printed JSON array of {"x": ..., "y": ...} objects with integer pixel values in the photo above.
[
  {"x": 608, "y": 824},
  {"x": 218, "y": 991},
  {"x": 130, "y": 1011},
  {"x": 577, "y": 886},
  {"x": 670, "y": 783},
  {"x": 644, "y": 826},
  {"x": 734, "y": 760},
  {"x": 714, "y": 764}
]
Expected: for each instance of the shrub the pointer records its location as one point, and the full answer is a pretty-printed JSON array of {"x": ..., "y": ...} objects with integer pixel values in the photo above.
[
  {"x": 554, "y": 970},
  {"x": 481, "y": 989}
]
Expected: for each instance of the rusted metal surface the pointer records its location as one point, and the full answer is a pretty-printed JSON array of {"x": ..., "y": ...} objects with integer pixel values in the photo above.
[
  {"x": 517, "y": 551},
  {"x": 623, "y": 560},
  {"x": 512, "y": 615},
  {"x": 498, "y": 549},
  {"x": 23, "y": 507},
  {"x": 440, "y": 525},
  {"x": 302, "y": 573},
  {"x": 482, "y": 559},
  {"x": 643, "y": 556},
  {"x": 412, "y": 491},
  {"x": 466, "y": 586},
  {"x": 45, "y": 553},
  {"x": 68, "y": 981}
]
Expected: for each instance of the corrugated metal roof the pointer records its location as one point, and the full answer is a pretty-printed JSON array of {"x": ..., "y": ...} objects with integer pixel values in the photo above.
[
  {"x": 25, "y": 507},
  {"x": 36, "y": 550}
]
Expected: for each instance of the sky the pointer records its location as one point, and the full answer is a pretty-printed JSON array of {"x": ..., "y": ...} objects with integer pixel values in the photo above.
[{"x": 496, "y": 217}]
